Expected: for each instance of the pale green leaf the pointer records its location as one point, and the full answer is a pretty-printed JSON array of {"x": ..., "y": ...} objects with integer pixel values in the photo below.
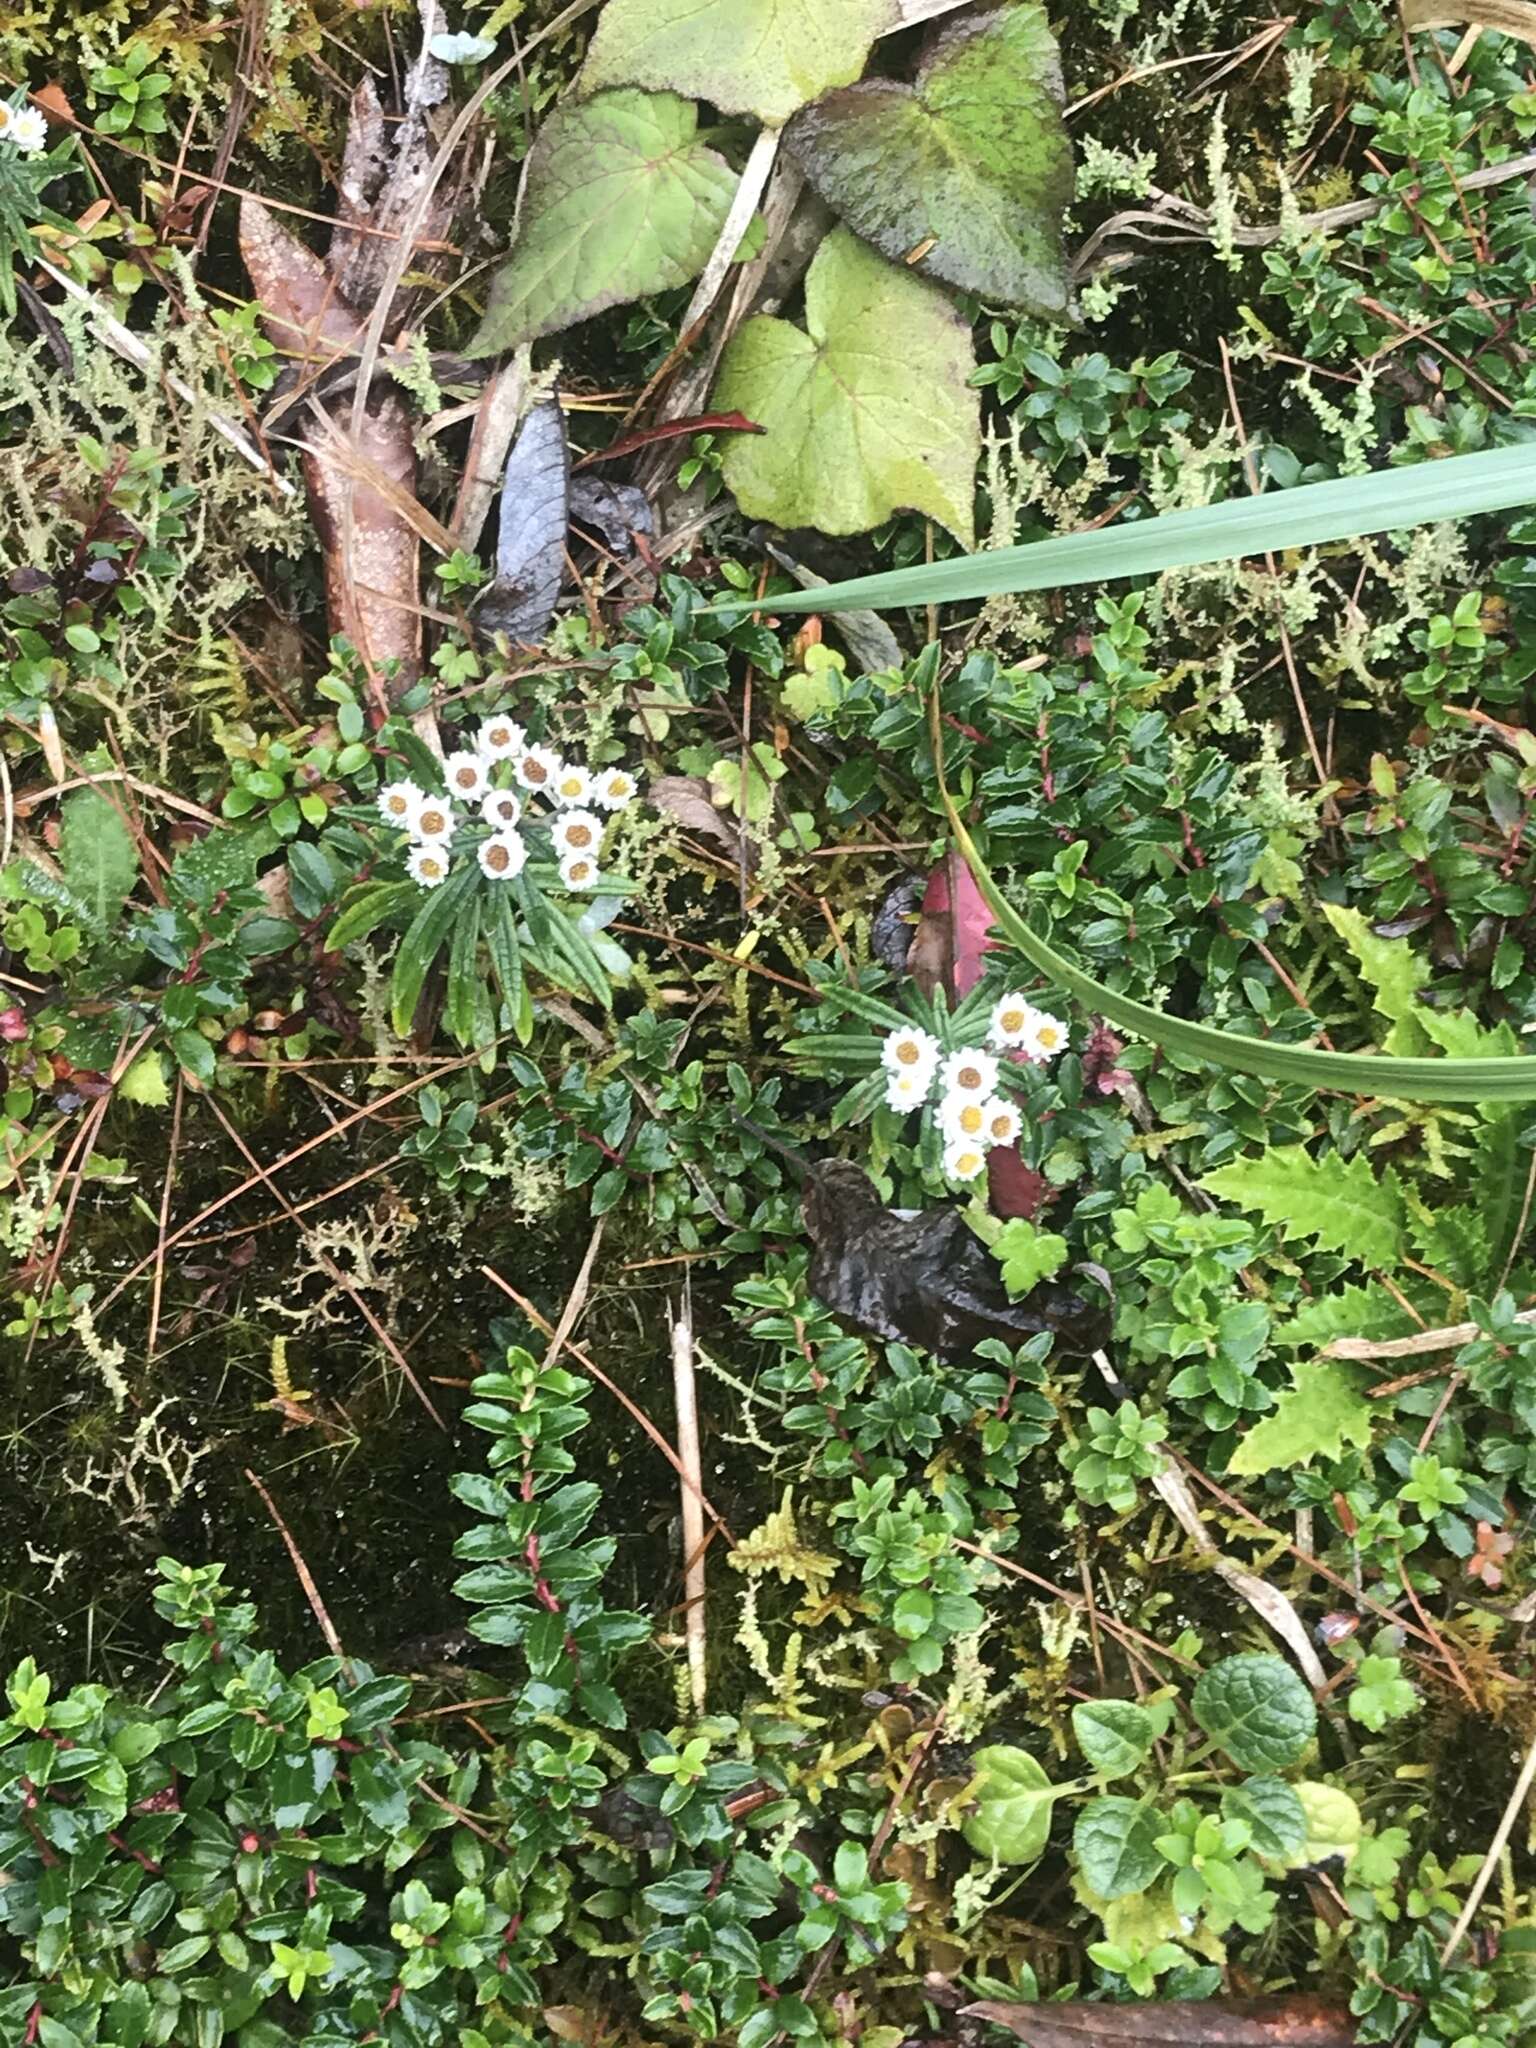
[
  {"x": 867, "y": 410},
  {"x": 145, "y": 1082},
  {"x": 1334, "y": 1826},
  {"x": 1012, "y": 1818},
  {"x": 972, "y": 164},
  {"x": 1028, "y": 1255},
  {"x": 1272, "y": 1811},
  {"x": 1256, "y": 1709},
  {"x": 1335, "y": 1204},
  {"x": 1458, "y": 1033},
  {"x": 762, "y": 57},
  {"x": 620, "y": 199},
  {"x": 1325, "y": 1409},
  {"x": 98, "y": 855}
]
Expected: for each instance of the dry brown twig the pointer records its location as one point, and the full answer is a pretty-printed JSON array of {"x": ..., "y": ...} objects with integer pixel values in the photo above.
[{"x": 685, "y": 1391}]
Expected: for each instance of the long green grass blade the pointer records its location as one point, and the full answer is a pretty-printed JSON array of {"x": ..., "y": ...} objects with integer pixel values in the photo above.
[
  {"x": 1384, "y": 501},
  {"x": 1404, "y": 1080}
]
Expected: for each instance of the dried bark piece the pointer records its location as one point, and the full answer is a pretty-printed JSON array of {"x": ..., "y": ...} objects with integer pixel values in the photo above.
[
  {"x": 1299, "y": 2022},
  {"x": 530, "y": 546}
]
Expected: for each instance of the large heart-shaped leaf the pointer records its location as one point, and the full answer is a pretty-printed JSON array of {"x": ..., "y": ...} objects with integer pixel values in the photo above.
[
  {"x": 619, "y": 199},
  {"x": 866, "y": 411},
  {"x": 1011, "y": 1821},
  {"x": 763, "y": 57},
  {"x": 972, "y": 164}
]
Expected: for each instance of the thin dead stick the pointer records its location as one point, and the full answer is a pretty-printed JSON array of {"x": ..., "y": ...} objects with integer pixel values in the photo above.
[
  {"x": 576, "y": 1300},
  {"x": 165, "y": 1213},
  {"x": 306, "y": 1580},
  {"x": 1267, "y": 1602},
  {"x": 685, "y": 1390},
  {"x": 1451, "y": 1338},
  {"x": 333, "y": 1272},
  {"x": 1121, "y": 1630},
  {"x": 124, "y": 342},
  {"x": 541, "y": 1322},
  {"x": 1519, "y": 1237},
  {"x": 1501, "y": 1835},
  {"x": 748, "y": 192}
]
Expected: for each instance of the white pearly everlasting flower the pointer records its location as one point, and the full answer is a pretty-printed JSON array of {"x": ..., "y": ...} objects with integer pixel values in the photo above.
[
  {"x": 963, "y": 1116},
  {"x": 502, "y": 856},
  {"x": 500, "y": 739},
  {"x": 465, "y": 775},
  {"x": 1047, "y": 1036},
  {"x": 970, "y": 1071},
  {"x": 578, "y": 871},
  {"x": 572, "y": 785},
  {"x": 577, "y": 832},
  {"x": 536, "y": 769},
  {"x": 434, "y": 819},
  {"x": 428, "y": 864},
  {"x": 963, "y": 1160},
  {"x": 911, "y": 1051},
  {"x": 1000, "y": 1121},
  {"x": 907, "y": 1088},
  {"x": 1011, "y": 1015},
  {"x": 613, "y": 788},
  {"x": 399, "y": 802},
  {"x": 28, "y": 130},
  {"x": 501, "y": 809}
]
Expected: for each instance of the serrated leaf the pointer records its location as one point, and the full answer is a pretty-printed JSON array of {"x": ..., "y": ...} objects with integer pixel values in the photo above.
[
  {"x": 1335, "y": 1204},
  {"x": 1498, "y": 1176},
  {"x": 1256, "y": 1709},
  {"x": 1028, "y": 1255},
  {"x": 1012, "y": 1819},
  {"x": 1334, "y": 1826},
  {"x": 1114, "y": 1735},
  {"x": 1324, "y": 1409},
  {"x": 866, "y": 411},
  {"x": 1395, "y": 973},
  {"x": 1115, "y": 1842},
  {"x": 620, "y": 199},
  {"x": 98, "y": 856},
  {"x": 972, "y": 164},
  {"x": 1370, "y": 1311},
  {"x": 762, "y": 57}
]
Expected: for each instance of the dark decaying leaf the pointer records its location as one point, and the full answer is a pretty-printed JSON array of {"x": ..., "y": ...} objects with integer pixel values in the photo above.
[
  {"x": 965, "y": 175},
  {"x": 925, "y": 1279},
  {"x": 530, "y": 547},
  {"x": 1301, "y": 2022},
  {"x": 616, "y": 511},
  {"x": 688, "y": 799}
]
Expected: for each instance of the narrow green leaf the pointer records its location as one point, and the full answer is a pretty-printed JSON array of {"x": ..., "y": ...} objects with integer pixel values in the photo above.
[
  {"x": 368, "y": 909},
  {"x": 1311, "y": 515},
  {"x": 98, "y": 855},
  {"x": 463, "y": 980},
  {"x": 423, "y": 941},
  {"x": 506, "y": 954},
  {"x": 1405, "y": 1080}
]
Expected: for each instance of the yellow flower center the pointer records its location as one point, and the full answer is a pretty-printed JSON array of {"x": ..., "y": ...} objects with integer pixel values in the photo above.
[
  {"x": 1011, "y": 1020},
  {"x": 908, "y": 1053},
  {"x": 970, "y": 1120},
  {"x": 1002, "y": 1128},
  {"x": 1050, "y": 1037},
  {"x": 968, "y": 1163}
]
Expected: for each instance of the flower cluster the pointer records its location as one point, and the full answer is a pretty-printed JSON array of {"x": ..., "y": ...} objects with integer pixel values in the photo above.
[
  {"x": 497, "y": 779},
  {"x": 24, "y": 128},
  {"x": 972, "y": 1114}
]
